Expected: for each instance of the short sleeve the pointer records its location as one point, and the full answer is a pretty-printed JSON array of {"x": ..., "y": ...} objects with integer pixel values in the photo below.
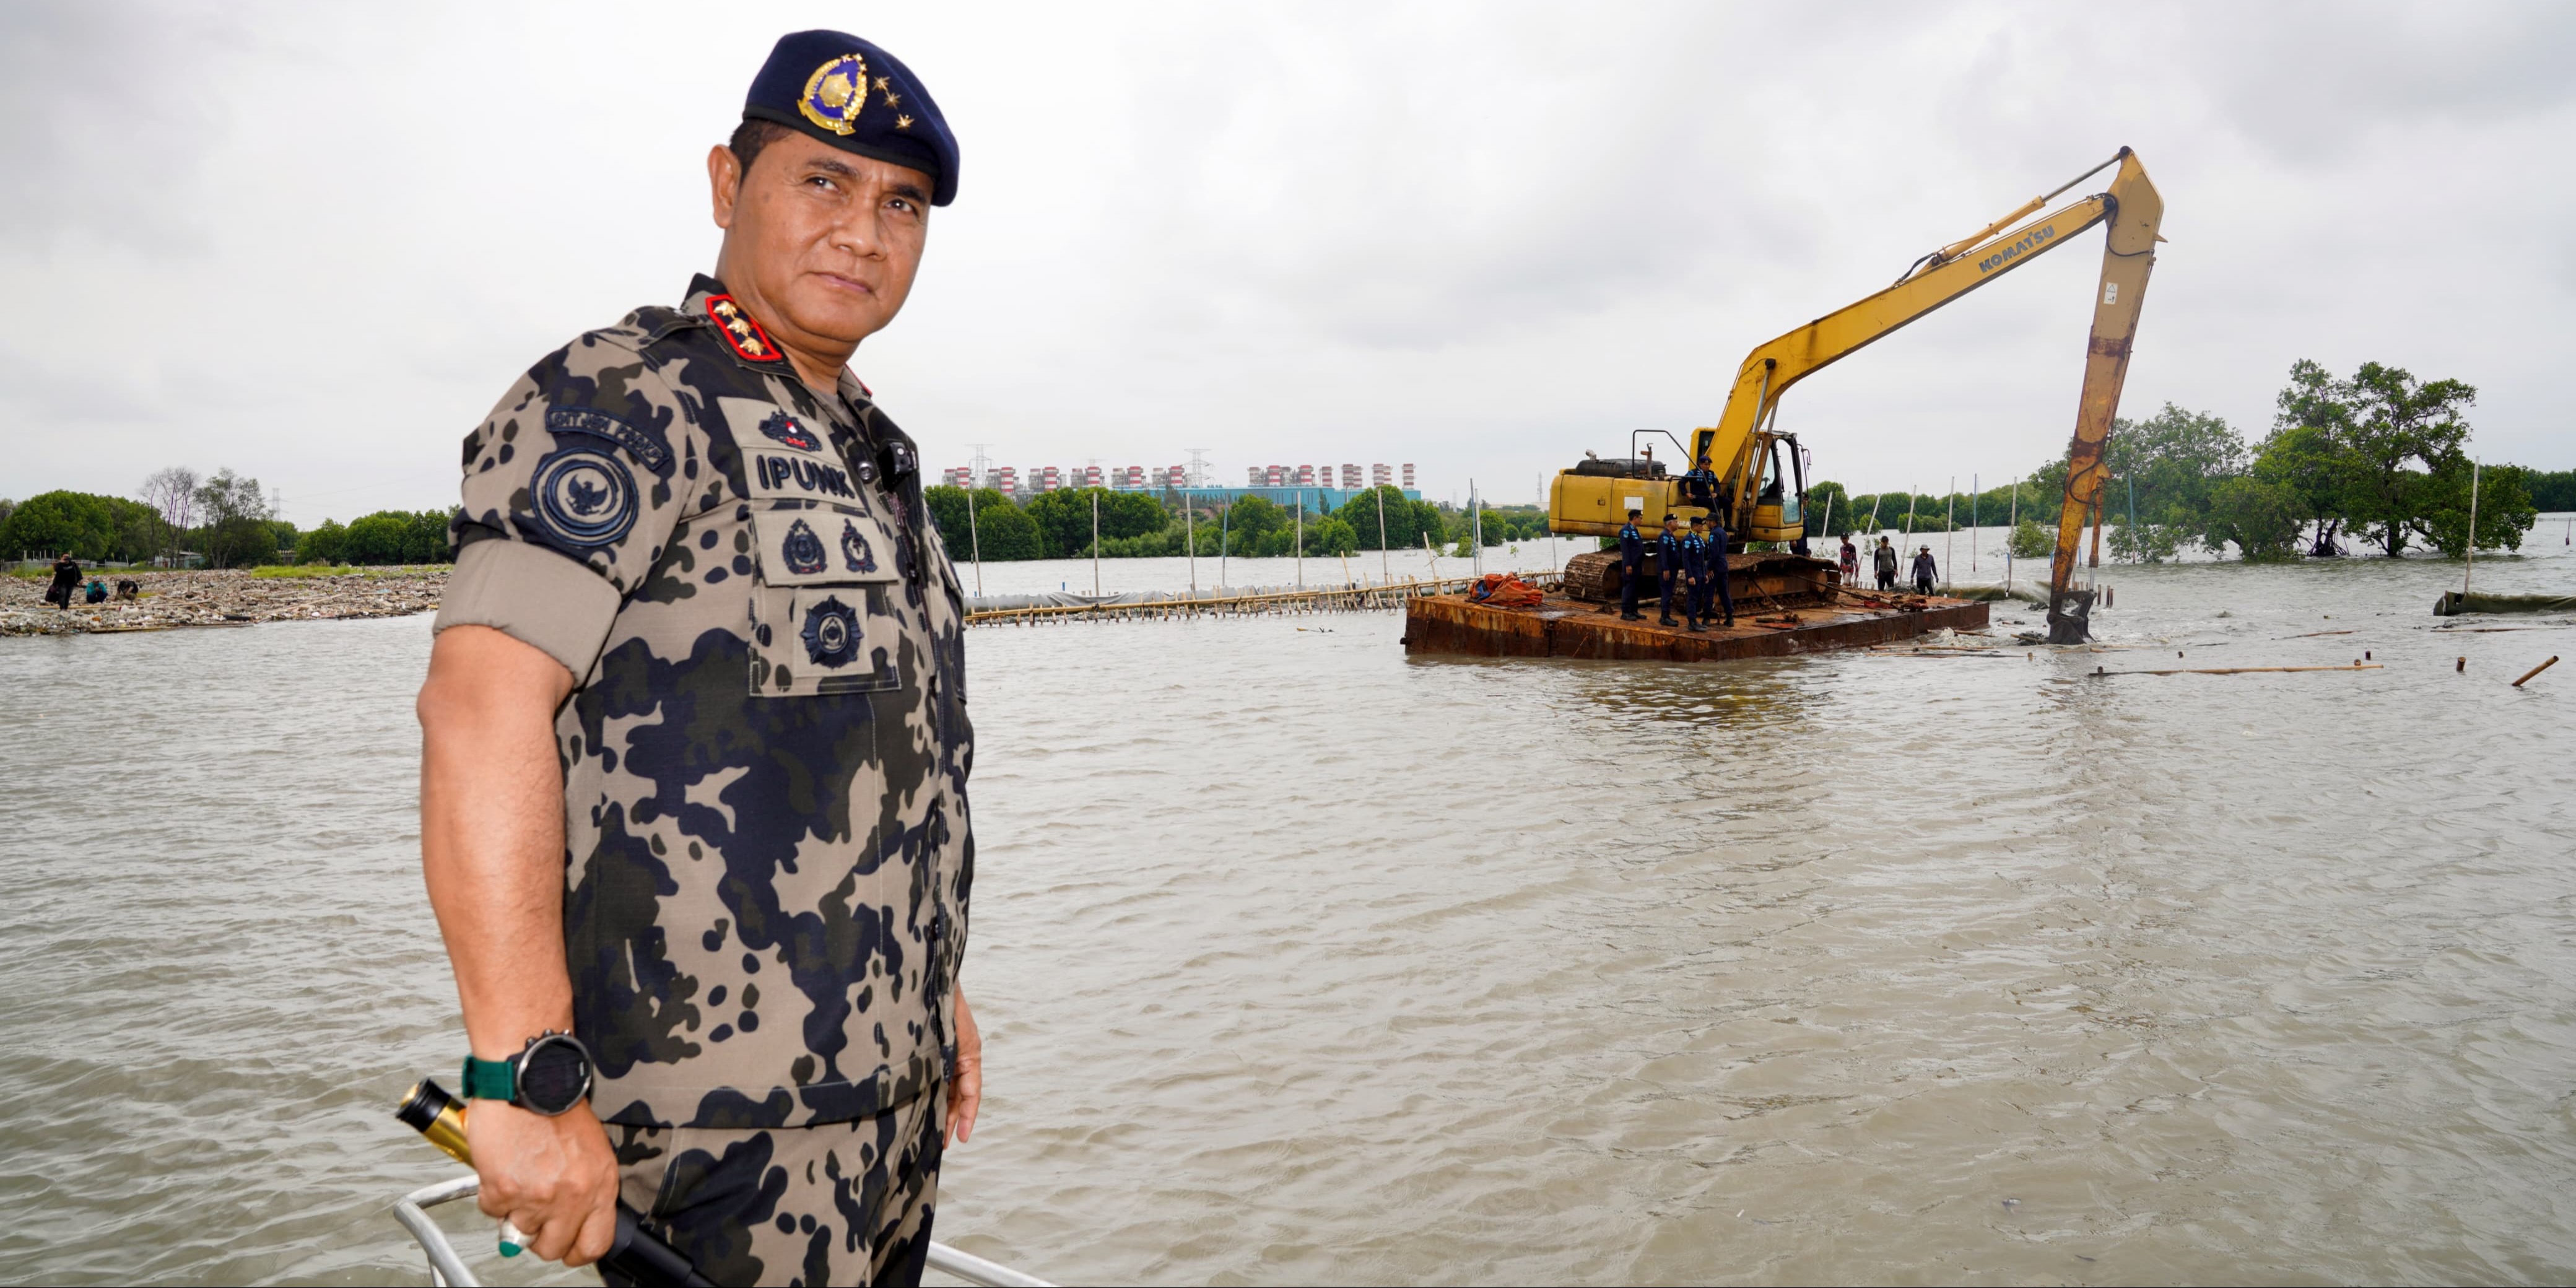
[{"x": 571, "y": 488}]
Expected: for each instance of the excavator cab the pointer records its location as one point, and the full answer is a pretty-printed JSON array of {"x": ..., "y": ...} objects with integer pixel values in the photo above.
[{"x": 1778, "y": 509}]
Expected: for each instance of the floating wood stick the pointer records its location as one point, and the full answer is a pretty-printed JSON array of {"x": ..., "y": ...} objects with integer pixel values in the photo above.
[
  {"x": 2553, "y": 661},
  {"x": 2245, "y": 670}
]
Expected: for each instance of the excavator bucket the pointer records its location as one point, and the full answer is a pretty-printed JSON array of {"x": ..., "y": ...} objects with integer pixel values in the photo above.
[{"x": 2070, "y": 617}]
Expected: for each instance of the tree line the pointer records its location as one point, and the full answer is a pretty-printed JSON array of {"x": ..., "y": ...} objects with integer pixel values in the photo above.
[
  {"x": 1136, "y": 525},
  {"x": 2377, "y": 457},
  {"x": 225, "y": 521}
]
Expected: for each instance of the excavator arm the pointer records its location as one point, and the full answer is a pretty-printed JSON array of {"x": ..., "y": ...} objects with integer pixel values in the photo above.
[
  {"x": 1735, "y": 446},
  {"x": 2132, "y": 207}
]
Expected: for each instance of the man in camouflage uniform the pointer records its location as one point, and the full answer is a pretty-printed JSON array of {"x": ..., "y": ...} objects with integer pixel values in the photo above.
[{"x": 696, "y": 744}]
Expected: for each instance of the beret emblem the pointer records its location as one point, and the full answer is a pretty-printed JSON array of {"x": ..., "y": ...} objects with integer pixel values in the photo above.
[{"x": 835, "y": 93}]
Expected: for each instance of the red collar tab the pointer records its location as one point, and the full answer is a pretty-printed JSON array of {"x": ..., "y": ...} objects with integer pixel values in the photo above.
[{"x": 742, "y": 331}]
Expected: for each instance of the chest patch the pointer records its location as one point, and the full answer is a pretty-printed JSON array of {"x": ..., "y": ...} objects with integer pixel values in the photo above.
[
  {"x": 786, "y": 429},
  {"x": 802, "y": 551},
  {"x": 817, "y": 545}
]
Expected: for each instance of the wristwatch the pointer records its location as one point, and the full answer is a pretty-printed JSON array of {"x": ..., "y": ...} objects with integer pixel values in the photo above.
[{"x": 549, "y": 1077}]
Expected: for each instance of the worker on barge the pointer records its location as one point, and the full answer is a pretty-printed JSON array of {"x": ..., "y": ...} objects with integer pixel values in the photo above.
[
  {"x": 1632, "y": 559},
  {"x": 1882, "y": 561},
  {"x": 1713, "y": 530},
  {"x": 1926, "y": 574},
  {"x": 1699, "y": 486},
  {"x": 1695, "y": 570},
  {"x": 1668, "y": 561},
  {"x": 695, "y": 745}
]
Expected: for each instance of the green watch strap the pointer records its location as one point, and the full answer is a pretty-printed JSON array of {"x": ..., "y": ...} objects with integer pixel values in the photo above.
[{"x": 489, "y": 1080}]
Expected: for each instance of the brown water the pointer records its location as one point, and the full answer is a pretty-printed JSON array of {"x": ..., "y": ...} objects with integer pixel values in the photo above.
[{"x": 1302, "y": 961}]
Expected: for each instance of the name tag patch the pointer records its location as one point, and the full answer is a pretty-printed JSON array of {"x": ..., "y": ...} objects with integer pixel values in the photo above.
[
  {"x": 786, "y": 475},
  {"x": 599, "y": 424}
]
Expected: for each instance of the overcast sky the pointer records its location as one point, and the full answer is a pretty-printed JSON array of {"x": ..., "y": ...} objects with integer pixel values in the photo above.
[{"x": 313, "y": 243}]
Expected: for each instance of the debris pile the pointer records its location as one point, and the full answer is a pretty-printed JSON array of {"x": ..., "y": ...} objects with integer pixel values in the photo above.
[{"x": 232, "y": 598}]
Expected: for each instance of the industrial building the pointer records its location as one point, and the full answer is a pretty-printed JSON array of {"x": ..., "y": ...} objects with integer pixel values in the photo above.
[{"x": 1318, "y": 487}]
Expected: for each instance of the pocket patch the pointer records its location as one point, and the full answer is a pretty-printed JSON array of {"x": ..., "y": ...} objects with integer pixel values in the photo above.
[{"x": 823, "y": 639}]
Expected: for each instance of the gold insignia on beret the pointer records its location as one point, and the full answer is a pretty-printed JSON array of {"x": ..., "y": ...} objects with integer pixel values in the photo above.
[
  {"x": 835, "y": 93},
  {"x": 903, "y": 122}
]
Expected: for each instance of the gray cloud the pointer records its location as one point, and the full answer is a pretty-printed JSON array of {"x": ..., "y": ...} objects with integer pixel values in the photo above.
[{"x": 314, "y": 242}]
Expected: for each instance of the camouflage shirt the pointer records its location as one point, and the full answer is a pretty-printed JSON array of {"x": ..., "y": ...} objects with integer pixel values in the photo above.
[{"x": 767, "y": 853}]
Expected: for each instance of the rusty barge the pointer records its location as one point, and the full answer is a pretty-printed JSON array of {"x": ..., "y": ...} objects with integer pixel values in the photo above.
[{"x": 1783, "y": 604}]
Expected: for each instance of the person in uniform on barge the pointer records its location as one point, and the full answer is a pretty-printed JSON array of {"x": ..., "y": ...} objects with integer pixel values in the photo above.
[
  {"x": 1668, "y": 565},
  {"x": 693, "y": 782},
  {"x": 1632, "y": 558}
]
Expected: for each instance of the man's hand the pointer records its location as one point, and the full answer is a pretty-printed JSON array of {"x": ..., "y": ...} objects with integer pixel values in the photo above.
[
  {"x": 554, "y": 1178},
  {"x": 491, "y": 851},
  {"x": 966, "y": 1090}
]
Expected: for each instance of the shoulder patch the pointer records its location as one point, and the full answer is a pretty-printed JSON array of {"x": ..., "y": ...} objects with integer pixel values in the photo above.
[
  {"x": 583, "y": 499},
  {"x": 742, "y": 331},
  {"x": 616, "y": 429}
]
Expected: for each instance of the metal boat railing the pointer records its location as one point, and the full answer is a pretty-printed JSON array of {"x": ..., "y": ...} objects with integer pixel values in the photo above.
[{"x": 448, "y": 1270}]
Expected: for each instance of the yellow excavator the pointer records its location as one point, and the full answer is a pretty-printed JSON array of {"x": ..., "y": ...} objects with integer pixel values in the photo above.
[{"x": 1759, "y": 489}]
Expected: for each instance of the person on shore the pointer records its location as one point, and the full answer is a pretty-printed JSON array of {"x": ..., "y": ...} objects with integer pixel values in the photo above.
[
  {"x": 67, "y": 578},
  {"x": 128, "y": 589},
  {"x": 1632, "y": 559},
  {"x": 1668, "y": 563},
  {"x": 1850, "y": 561},
  {"x": 1924, "y": 572},
  {"x": 95, "y": 592},
  {"x": 693, "y": 783},
  {"x": 1883, "y": 562}
]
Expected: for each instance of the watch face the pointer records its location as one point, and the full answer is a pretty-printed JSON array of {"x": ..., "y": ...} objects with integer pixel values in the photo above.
[{"x": 554, "y": 1074}]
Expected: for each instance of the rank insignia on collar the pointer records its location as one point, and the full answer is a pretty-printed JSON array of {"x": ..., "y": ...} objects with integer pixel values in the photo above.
[
  {"x": 835, "y": 93},
  {"x": 742, "y": 331}
]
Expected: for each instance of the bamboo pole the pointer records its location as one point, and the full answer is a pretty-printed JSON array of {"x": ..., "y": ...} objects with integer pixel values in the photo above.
[
  {"x": 1384, "y": 572},
  {"x": 2553, "y": 661},
  {"x": 977, "y": 538},
  {"x": 2012, "y": 527},
  {"x": 1475, "y": 528},
  {"x": 2472, "y": 564},
  {"x": 2246, "y": 670}
]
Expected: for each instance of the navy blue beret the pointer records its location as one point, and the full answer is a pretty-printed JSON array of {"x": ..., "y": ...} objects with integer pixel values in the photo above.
[{"x": 858, "y": 98}]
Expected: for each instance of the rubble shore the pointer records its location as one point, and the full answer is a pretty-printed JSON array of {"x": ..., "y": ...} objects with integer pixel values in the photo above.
[{"x": 229, "y": 598}]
